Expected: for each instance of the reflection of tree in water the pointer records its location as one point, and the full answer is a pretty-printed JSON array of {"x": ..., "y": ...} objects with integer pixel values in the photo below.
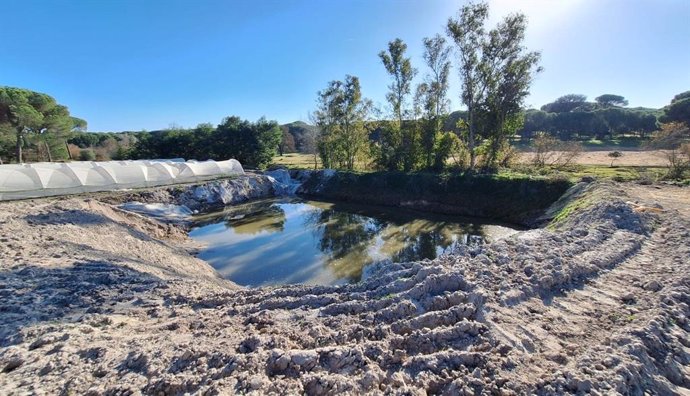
[
  {"x": 418, "y": 240},
  {"x": 343, "y": 238},
  {"x": 250, "y": 218},
  {"x": 421, "y": 246},
  {"x": 339, "y": 232},
  {"x": 347, "y": 239}
]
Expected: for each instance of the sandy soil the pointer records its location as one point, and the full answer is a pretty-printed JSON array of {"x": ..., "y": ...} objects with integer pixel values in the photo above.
[
  {"x": 654, "y": 158},
  {"x": 97, "y": 301}
]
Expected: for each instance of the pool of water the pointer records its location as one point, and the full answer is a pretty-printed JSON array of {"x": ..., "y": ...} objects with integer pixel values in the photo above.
[{"x": 286, "y": 241}]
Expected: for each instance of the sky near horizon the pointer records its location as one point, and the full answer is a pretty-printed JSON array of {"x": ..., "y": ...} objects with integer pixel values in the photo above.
[{"x": 133, "y": 65}]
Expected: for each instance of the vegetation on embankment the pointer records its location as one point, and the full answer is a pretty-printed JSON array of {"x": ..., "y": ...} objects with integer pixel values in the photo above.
[
  {"x": 516, "y": 199},
  {"x": 644, "y": 174}
]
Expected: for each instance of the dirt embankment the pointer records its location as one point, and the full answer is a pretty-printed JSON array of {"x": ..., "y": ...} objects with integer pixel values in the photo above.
[
  {"x": 96, "y": 301},
  {"x": 518, "y": 200},
  {"x": 205, "y": 196}
]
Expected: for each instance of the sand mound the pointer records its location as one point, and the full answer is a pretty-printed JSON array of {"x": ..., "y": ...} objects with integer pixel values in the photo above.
[{"x": 92, "y": 303}]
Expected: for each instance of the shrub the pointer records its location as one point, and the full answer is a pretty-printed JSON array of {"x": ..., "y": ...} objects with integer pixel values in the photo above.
[
  {"x": 509, "y": 156},
  {"x": 614, "y": 155},
  {"x": 674, "y": 137},
  {"x": 87, "y": 155},
  {"x": 549, "y": 151},
  {"x": 678, "y": 161}
]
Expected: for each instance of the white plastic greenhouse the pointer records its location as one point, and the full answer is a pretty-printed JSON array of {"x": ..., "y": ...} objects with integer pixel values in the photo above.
[{"x": 18, "y": 181}]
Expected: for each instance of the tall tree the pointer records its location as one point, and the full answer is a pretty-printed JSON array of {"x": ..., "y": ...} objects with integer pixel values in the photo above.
[
  {"x": 341, "y": 115},
  {"x": 468, "y": 33},
  {"x": 431, "y": 95},
  {"x": 399, "y": 139},
  {"x": 28, "y": 112},
  {"x": 401, "y": 70},
  {"x": 496, "y": 72},
  {"x": 310, "y": 140},
  {"x": 610, "y": 100},
  {"x": 287, "y": 142},
  {"x": 507, "y": 73}
]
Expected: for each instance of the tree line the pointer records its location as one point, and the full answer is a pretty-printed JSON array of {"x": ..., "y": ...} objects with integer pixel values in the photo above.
[
  {"x": 573, "y": 117},
  {"x": 197, "y": 143},
  {"x": 254, "y": 144},
  {"x": 495, "y": 70},
  {"x": 34, "y": 127}
]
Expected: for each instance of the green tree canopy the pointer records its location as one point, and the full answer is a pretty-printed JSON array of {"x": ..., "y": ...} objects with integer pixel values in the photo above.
[
  {"x": 610, "y": 100},
  {"x": 431, "y": 97},
  {"x": 679, "y": 109},
  {"x": 507, "y": 78},
  {"x": 496, "y": 72},
  {"x": 401, "y": 70},
  {"x": 254, "y": 144},
  {"x": 565, "y": 103},
  {"x": 398, "y": 144},
  {"x": 341, "y": 116},
  {"x": 26, "y": 112},
  {"x": 468, "y": 33}
]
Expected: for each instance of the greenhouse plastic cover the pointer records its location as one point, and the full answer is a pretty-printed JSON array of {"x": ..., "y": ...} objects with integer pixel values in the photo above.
[{"x": 18, "y": 181}]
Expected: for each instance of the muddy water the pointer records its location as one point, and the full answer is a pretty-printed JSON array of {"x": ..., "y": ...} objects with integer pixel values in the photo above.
[{"x": 287, "y": 241}]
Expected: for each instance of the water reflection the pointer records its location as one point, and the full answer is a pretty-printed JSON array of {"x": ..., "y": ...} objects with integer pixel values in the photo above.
[
  {"x": 296, "y": 241},
  {"x": 343, "y": 237},
  {"x": 250, "y": 218}
]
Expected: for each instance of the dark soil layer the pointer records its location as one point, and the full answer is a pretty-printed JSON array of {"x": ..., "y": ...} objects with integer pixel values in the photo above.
[{"x": 515, "y": 200}]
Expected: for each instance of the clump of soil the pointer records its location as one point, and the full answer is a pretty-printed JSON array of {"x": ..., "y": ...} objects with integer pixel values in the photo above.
[{"x": 96, "y": 301}]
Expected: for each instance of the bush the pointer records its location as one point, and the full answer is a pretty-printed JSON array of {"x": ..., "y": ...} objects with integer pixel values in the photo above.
[
  {"x": 678, "y": 161},
  {"x": 549, "y": 151},
  {"x": 509, "y": 156},
  {"x": 614, "y": 155},
  {"x": 121, "y": 154},
  {"x": 447, "y": 145},
  {"x": 87, "y": 155},
  {"x": 674, "y": 137}
]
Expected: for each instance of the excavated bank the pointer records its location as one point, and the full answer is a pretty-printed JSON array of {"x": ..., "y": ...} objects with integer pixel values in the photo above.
[
  {"x": 520, "y": 200},
  {"x": 97, "y": 301},
  {"x": 206, "y": 196}
]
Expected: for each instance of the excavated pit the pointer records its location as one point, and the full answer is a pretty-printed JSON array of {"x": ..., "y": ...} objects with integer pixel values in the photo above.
[{"x": 97, "y": 300}]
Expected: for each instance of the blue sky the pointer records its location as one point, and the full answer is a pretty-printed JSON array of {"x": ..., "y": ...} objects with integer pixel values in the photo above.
[{"x": 135, "y": 64}]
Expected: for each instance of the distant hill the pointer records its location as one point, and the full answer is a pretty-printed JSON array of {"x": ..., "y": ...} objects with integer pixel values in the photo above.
[{"x": 298, "y": 129}]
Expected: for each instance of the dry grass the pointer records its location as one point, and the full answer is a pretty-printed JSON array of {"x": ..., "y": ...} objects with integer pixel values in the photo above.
[
  {"x": 650, "y": 158},
  {"x": 653, "y": 158},
  {"x": 296, "y": 161},
  {"x": 306, "y": 161}
]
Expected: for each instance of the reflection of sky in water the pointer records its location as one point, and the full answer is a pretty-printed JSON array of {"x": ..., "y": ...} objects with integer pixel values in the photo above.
[{"x": 295, "y": 241}]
